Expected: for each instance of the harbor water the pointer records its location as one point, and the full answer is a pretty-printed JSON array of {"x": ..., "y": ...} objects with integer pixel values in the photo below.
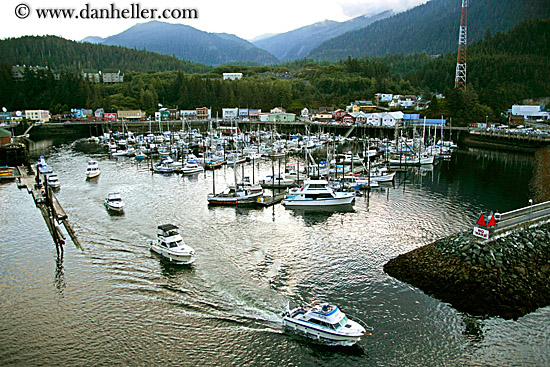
[{"x": 116, "y": 303}]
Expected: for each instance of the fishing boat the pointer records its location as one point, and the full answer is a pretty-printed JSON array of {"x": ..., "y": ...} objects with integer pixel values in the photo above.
[
  {"x": 324, "y": 322},
  {"x": 92, "y": 170},
  {"x": 317, "y": 193},
  {"x": 43, "y": 167},
  {"x": 53, "y": 181},
  {"x": 114, "y": 202},
  {"x": 170, "y": 245},
  {"x": 236, "y": 195}
]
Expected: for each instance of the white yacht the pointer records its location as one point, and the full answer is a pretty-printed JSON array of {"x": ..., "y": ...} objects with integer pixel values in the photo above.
[
  {"x": 170, "y": 245},
  {"x": 92, "y": 170},
  {"x": 324, "y": 322},
  {"x": 114, "y": 202},
  {"x": 317, "y": 193},
  {"x": 53, "y": 181}
]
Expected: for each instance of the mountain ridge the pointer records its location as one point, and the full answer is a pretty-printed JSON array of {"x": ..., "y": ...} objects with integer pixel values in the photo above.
[
  {"x": 188, "y": 43},
  {"x": 299, "y": 42}
]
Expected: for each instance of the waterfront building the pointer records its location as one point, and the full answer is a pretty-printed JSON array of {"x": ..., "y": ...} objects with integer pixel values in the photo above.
[
  {"x": 230, "y": 113},
  {"x": 530, "y": 112},
  {"x": 323, "y": 114},
  {"x": 203, "y": 113},
  {"x": 243, "y": 113},
  {"x": 281, "y": 117},
  {"x": 338, "y": 114},
  {"x": 37, "y": 115},
  {"x": 131, "y": 114},
  {"x": 359, "y": 117},
  {"x": 188, "y": 114},
  {"x": 5, "y": 137},
  {"x": 392, "y": 118},
  {"x": 305, "y": 113},
  {"x": 374, "y": 119},
  {"x": 232, "y": 76},
  {"x": 99, "y": 113},
  {"x": 254, "y": 113},
  {"x": 110, "y": 116}
]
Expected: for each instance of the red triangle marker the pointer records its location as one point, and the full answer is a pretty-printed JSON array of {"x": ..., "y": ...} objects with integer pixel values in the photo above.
[
  {"x": 481, "y": 221},
  {"x": 492, "y": 221}
]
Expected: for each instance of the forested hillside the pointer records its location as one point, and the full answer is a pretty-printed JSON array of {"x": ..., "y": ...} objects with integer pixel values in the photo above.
[
  {"x": 503, "y": 69},
  {"x": 431, "y": 28},
  {"x": 190, "y": 44},
  {"x": 61, "y": 54}
]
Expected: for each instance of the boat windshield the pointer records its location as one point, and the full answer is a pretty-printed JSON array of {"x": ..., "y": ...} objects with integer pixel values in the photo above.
[
  {"x": 343, "y": 322},
  {"x": 174, "y": 244}
]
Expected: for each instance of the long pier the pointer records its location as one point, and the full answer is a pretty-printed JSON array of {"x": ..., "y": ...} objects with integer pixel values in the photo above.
[{"x": 48, "y": 204}]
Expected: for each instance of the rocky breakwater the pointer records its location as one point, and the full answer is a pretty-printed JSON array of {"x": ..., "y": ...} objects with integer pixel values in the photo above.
[{"x": 507, "y": 277}]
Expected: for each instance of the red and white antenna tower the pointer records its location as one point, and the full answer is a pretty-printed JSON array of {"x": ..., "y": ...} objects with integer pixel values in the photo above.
[{"x": 460, "y": 76}]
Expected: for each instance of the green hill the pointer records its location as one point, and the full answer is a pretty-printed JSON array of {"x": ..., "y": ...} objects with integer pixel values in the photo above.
[{"x": 62, "y": 54}]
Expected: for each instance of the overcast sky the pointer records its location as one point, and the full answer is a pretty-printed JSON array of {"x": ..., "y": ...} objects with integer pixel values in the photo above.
[{"x": 244, "y": 18}]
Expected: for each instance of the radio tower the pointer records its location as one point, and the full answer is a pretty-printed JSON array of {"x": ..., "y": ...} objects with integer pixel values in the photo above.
[{"x": 460, "y": 76}]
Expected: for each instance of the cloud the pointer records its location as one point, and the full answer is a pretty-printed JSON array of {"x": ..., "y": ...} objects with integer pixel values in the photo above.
[{"x": 355, "y": 8}]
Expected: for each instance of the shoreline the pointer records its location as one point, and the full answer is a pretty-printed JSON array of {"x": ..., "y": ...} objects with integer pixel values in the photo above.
[{"x": 508, "y": 277}]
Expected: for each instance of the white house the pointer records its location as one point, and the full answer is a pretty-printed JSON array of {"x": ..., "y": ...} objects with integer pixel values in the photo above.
[
  {"x": 392, "y": 118},
  {"x": 374, "y": 119},
  {"x": 383, "y": 97},
  {"x": 230, "y": 113},
  {"x": 530, "y": 112},
  {"x": 359, "y": 117},
  {"x": 305, "y": 113},
  {"x": 232, "y": 76}
]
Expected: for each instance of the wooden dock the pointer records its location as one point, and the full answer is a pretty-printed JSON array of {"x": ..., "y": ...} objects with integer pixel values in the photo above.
[
  {"x": 48, "y": 204},
  {"x": 266, "y": 201}
]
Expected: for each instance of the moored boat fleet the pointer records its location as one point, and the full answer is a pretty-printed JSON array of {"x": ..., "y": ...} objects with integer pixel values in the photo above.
[{"x": 329, "y": 181}]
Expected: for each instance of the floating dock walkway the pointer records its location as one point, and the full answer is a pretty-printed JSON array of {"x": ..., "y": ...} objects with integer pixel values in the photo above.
[{"x": 45, "y": 200}]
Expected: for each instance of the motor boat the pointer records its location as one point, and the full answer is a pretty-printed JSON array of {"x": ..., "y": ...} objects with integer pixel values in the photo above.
[
  {"x": 170, "y": 245},
  {"x": 92, "y": 170},
  {"x": 281, "y": 181},
  {"x": 411, "y": 160},
  {"x": 43, "y": 167},
  {"x": 53, "y": 181},
  {"x": 236, "y": 195},
  {"x": 381, "y": 174},
  {"x": 191, "y": 166},
  {"x": 114, "y": 202},
  {"x": 324, "y": 322},
  {"x": 317, "y": 193},
  {"x": 167, "y": 165}
]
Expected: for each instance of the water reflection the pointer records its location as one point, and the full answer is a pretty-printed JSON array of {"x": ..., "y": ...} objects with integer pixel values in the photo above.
[
  {"x": 59, "y": 278},
  {"x": 473, "y": 329}
]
